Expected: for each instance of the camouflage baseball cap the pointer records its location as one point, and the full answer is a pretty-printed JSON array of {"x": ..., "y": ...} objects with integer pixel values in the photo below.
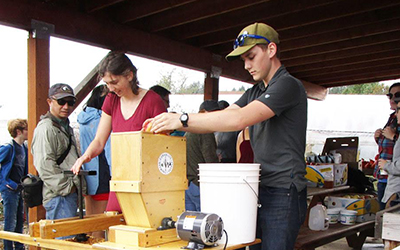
[
  {"x": 257, "y": 33},
  {"x": 60, "y": 90}
]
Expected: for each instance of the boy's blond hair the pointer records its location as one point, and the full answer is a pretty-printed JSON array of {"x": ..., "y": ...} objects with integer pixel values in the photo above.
[{"x": 15, "y": 124}]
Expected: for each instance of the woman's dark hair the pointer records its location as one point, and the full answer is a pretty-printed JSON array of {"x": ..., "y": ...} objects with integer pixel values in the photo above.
[
  {"x": 97, "y": 98},
  {"x": 117, "y": 63},
  {"x": 396, "y": 84}
]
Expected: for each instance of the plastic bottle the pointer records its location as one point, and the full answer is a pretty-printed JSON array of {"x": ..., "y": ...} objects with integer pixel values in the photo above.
[{"x": 318, "y": 219}]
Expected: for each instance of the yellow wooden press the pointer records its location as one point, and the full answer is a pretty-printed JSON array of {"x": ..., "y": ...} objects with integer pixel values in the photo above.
[{"x": 149, "y": 178}]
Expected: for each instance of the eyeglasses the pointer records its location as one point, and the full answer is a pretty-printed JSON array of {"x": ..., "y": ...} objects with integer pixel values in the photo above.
[
  {"x": 397, "y": 109},
  {"x": 62, "y": 102},
  {"x": 390, "y": 95},
  {"x": 240, "y": 40}
]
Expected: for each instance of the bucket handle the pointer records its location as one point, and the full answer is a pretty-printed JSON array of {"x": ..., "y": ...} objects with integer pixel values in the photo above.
[{"x": 258, "y": 200}]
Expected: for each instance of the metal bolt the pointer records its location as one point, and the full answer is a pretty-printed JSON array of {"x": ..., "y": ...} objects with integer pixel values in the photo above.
[{"x": 54, "y": 231}]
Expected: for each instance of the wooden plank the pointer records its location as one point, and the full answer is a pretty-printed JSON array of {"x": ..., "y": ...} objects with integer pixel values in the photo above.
[
  {"x": 326, "y": 191},
  {"x": 34, "y": 229},
  {"x": 391, "y": 227},
  {"x": 43, "y": 243},
  {"x": 143, "y": 237},
  {"x": 52, "y": 229},
  {"x": 379, "y": 219}
]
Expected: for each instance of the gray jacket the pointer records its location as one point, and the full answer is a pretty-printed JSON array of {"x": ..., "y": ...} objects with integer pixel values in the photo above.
[
  {"x": 50, "y": 141},
  {"x": 393, "y": 168}
]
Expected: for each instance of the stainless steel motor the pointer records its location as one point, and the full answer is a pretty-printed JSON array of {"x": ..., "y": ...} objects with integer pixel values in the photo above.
[{"x": 200, "y": 228}]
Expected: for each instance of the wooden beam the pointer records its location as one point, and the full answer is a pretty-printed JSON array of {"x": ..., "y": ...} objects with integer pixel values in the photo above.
[
  {"x": 107, "y": 34},
  {"x": 389, "y": 74},
  {"x": 38, "y": 88},
  {"x": 340, "y": 24},
  {"x": 86, "y": 85},
  {"x": 194, "y": 12},
  {"x": 349, "y": 62},
  {"x": 353, "y": 70},
  {"x": 133, "y": 10},
  {"x": 43, "y": 243},
  {"x": 350, "y": 49},
  {"x": 96, "y": 5},
  {"x": 211, "y": 86},
  {"x": 50, "y": 229},
  {"x": 314, "y": 91},
  {"x": 247, "y": 16}
]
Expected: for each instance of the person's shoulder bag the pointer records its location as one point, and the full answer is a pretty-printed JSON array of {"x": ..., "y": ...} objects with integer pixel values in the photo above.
[{"x": 32, "y": 184}]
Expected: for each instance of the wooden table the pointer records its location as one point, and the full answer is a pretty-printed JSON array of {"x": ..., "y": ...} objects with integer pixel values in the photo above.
[
  {"x": 69, "y": 245},
  {"x": 355, "y": 234}
]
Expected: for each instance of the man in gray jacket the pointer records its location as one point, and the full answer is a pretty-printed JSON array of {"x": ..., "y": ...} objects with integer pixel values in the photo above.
[{"x": 53, "y": 138}]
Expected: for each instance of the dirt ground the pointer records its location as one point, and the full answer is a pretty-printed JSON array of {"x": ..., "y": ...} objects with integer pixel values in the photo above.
[{"x": 370, "y": 244}]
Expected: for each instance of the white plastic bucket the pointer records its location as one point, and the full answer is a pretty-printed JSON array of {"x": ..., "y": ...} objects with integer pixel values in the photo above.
[{"x": 230, "y": 190}]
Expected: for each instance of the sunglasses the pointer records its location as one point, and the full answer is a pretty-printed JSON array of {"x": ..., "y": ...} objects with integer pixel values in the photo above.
[
  {"x": 240, "y": 40},
  {"x": 62, "y": 102},
  {"x": 390, "y": 95}
]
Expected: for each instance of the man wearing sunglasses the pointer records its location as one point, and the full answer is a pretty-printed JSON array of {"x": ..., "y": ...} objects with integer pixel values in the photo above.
[
  {"x": 54, "y": 150},
  {"x": 275, "y": 109}
]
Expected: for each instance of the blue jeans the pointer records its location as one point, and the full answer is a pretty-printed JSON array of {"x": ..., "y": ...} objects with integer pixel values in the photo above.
[
  {"x": 61, "y": 207},
  {"x": 192, "y": 198},
  {"x": 381, "y": 191},
  {"x": 13, "y": 208},
  {"x": 282, "y": 213}
]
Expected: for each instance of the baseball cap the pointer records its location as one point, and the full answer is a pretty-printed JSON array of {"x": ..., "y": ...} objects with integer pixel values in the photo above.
[
  {"x": 61, "y": 90},
  {"x": 209, "y": 105},
  {"x": 257, "y": 33}
]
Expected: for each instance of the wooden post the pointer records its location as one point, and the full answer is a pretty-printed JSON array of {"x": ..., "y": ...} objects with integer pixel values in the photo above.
[
  {"x": 211, "y": 84},
  {"x": 38, "y": 87}
]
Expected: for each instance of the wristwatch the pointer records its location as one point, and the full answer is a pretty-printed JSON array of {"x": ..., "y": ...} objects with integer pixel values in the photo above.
[{"x": 184, "y": 119}]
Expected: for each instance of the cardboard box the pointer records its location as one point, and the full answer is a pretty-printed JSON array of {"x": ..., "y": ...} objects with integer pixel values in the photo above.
[
  {"x": 328, "y": 175},
  {"x": 366, "y": 205},
  {"x": 346, "y": 146}
]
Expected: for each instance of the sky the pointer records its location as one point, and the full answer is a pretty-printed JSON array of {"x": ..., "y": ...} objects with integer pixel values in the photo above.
[{"x": 70, "y": 62}]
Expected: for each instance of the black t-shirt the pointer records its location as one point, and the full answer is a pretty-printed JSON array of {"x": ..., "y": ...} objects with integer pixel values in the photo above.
[
  {"x": 18, "y": 168},
  {"x": 279, "y": 142}
]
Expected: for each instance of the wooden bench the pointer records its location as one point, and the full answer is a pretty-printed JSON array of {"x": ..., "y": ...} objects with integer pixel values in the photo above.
[{"x": 355, "y": 234}]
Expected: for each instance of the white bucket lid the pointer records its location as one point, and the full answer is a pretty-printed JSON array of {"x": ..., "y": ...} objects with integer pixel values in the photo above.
[
  {"x": 334, "y": 210},
  {"x": 348, "y": 212}
]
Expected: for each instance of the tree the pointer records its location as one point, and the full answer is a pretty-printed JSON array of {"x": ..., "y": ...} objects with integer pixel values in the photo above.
[
  {"x": 166, "y": 80},
  {"x": 374, "y": 88},
  {"x": 179, "y": 86}
]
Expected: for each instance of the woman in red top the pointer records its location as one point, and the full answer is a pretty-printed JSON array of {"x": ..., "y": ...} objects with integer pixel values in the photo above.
[{"x": 124, "y": 109}]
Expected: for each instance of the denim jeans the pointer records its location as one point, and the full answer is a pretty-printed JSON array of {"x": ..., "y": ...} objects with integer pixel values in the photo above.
[
  {"x": 282, "y": 213},
  {"x": 192, "y": 198},
  {"x": 13, "y": 209},
  {"x": 61, "y": 207},
  {"x": 381, "y": 191}
]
